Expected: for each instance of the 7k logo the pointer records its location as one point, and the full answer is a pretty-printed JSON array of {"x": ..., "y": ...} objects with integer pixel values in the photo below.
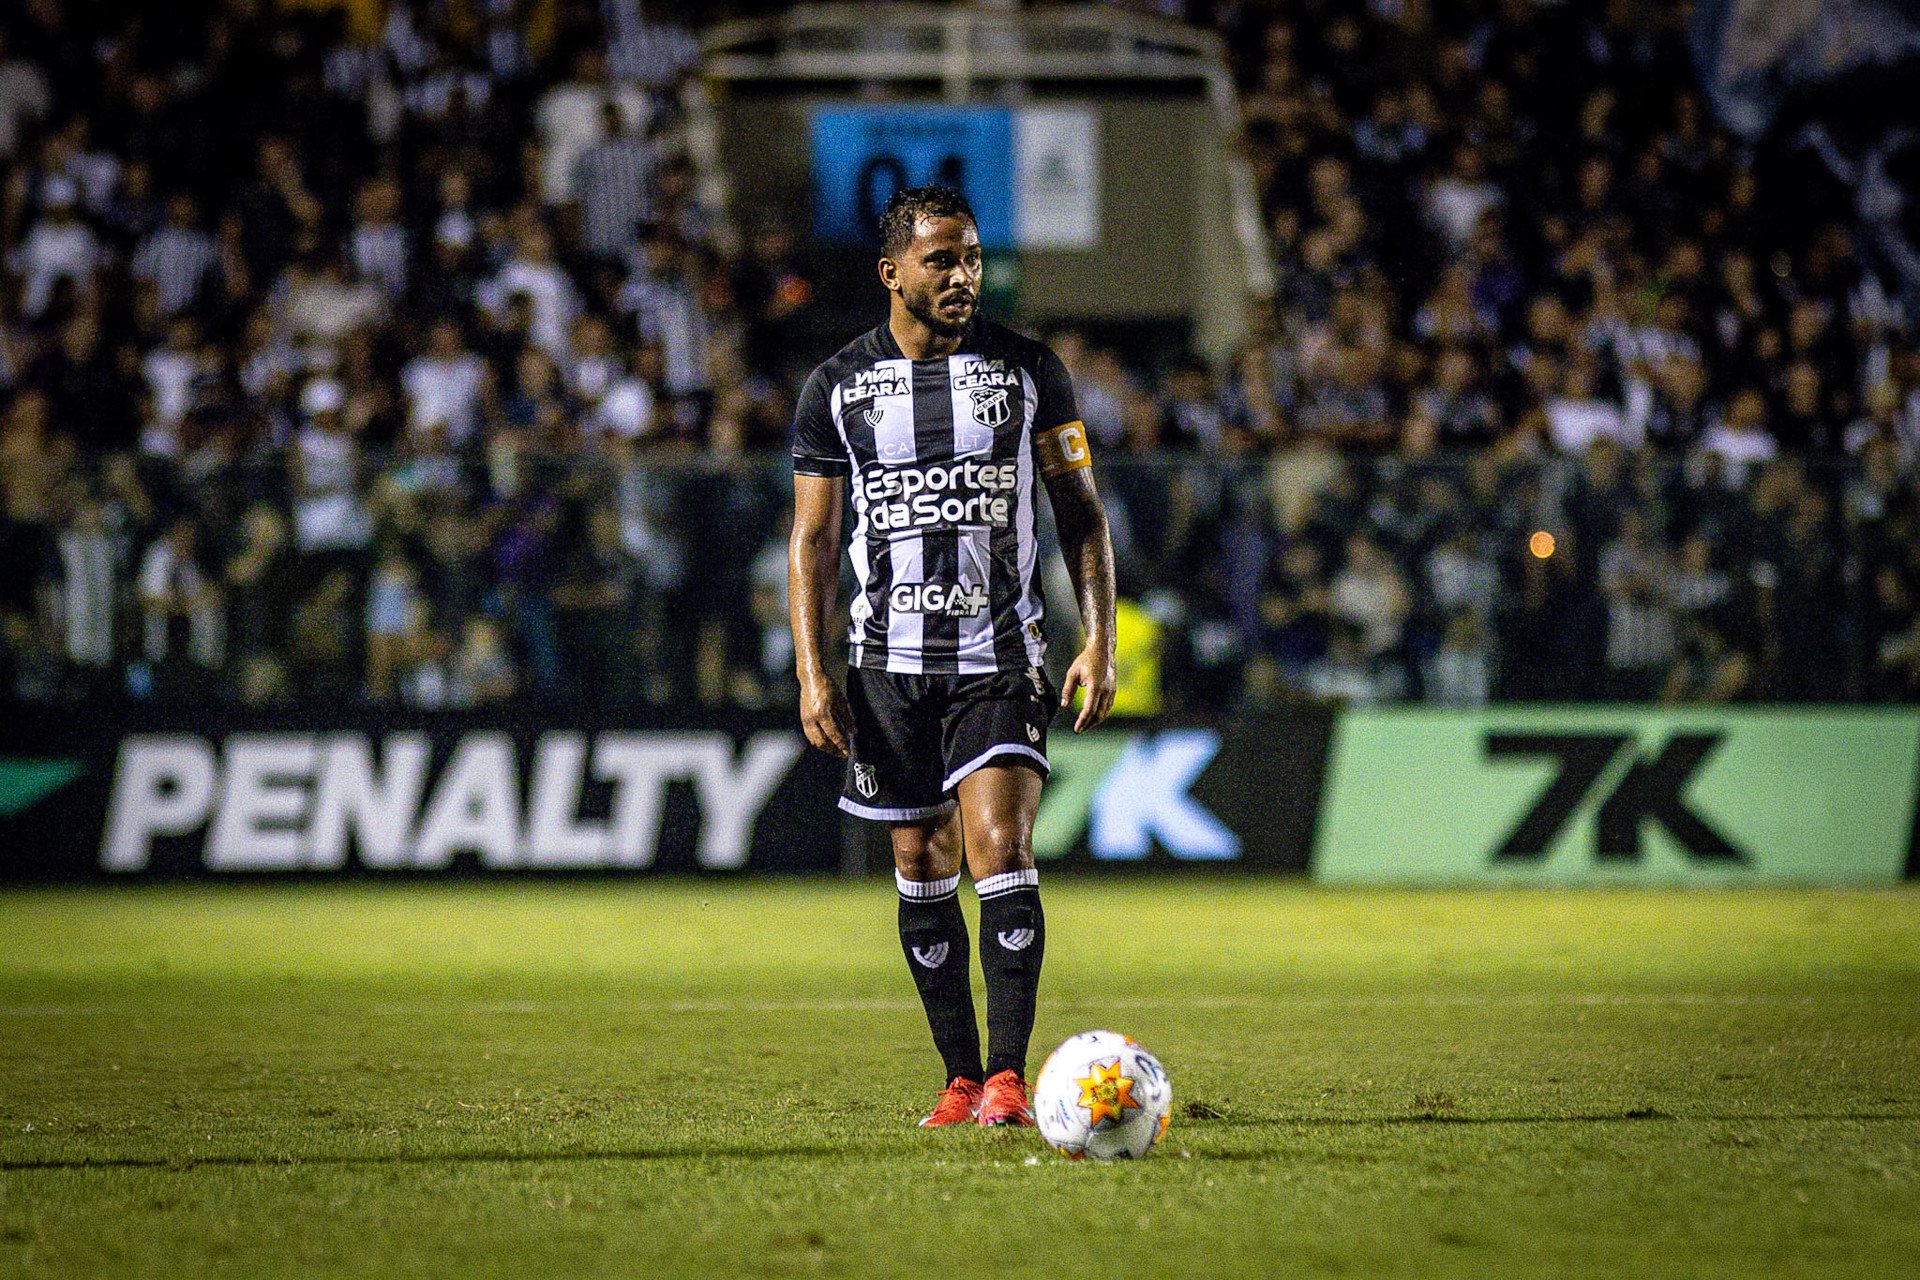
[{"x": 1650, "y": 789}]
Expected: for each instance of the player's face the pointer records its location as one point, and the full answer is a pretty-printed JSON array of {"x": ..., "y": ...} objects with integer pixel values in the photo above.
[{"x": 938, "y": 275}]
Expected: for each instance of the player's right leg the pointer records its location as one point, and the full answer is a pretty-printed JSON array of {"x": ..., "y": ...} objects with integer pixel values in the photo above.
[
  {"x": 894, "y": 776},
  {"x": 933, "y": 934}
]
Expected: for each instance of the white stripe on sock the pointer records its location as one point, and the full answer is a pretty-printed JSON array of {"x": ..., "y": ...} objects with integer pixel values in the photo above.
[
  {"x": 926, "y": 890},
  {"x": 1007, "y": 882}
]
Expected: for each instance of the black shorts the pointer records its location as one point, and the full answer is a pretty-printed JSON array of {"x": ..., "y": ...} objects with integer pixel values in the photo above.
[{"x": 915, "y": 737}]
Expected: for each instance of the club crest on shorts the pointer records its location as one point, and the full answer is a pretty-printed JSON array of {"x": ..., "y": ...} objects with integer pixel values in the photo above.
[
  {"x": 990, "y": 407},
  {"x": 866, "y": 781},
  {"x": 1033, "y": 734}
]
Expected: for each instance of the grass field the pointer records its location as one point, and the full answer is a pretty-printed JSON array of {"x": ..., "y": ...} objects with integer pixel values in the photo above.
[{"x": 664, "y": 1079}]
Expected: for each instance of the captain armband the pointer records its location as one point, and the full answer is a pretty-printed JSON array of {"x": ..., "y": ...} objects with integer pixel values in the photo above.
[{"x": 1063, "y": 449}]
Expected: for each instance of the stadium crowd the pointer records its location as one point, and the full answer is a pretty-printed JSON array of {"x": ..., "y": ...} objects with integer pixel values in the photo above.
[{"x": 418, "y": 364}]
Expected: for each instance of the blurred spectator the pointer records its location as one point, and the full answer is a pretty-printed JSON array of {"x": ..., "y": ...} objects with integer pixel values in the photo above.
[
  {"x": 532, "y": 273},
  {"x": 178, "y": 259},
  {"x": 1576, "y": 417},
  {"x": 321, "y": 641},
  {"x": 1460, "y": 196},
  {"x": 59, "y": 250},
  {"x": 1347, "y": 675},
  {"x": 481, "y": 671},
  {"x": 445, "y": 385},
  {"x": 773, "y": 294},
  {"x": 1460, "y": 672},
  {"x": 1740, "y": 437},
  {"x": 612, "y": 182},
  {"x": 259, "y": 583},
  {"x": 180, "y": 607},
  {"x": 664, "y": 298},
  {"x": 329, "y": 516},
  {"x": 380, "y": 248},
  {"x": 1370, "y": 595},
  {"x": 323, "y": 303},
  {"x": 768, "y": 605},
  {"x": 83, "y": 594},
  {"x": 1709, "y": 670},
  {"x": 25, "y": 96},
  {"x": 395, "y": 619},
  {"x": 572, "y": 116},
  {"x": 593, "y": 602},
  {"x": 1641, "y": 631}
]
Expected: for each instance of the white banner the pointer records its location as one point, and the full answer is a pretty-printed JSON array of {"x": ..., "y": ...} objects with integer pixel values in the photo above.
[
  {"x": 1056, "y": 178},
  {"x": 278, "y": 801}
]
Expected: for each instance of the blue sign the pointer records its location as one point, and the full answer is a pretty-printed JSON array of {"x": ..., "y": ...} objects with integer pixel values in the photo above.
[{"x": 862, "y": 155}]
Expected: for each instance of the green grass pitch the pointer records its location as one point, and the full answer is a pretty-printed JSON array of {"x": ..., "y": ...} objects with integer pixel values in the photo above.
[{"x": 719, "y": 1079}]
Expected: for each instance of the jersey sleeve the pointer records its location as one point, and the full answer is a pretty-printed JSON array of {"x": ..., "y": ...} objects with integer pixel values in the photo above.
[
  {"x": 1057, "y": 405},
  {"x": 1059, "y": 438},
  {"x": 817, "y": 448}
]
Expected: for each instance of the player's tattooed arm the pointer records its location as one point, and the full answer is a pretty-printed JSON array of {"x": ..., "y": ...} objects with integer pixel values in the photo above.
[
  {"x": 1088, "y": 548},
  {"x": 813, "y": 577}
]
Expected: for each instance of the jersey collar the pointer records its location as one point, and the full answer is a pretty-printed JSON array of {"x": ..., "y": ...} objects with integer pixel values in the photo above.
[{"x": 890, "y": 347}]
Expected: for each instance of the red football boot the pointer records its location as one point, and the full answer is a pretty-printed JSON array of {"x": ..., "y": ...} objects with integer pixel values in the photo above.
[
  {"x": 958, "y": 1104},
  {"x": 1003, "y": 1101}
]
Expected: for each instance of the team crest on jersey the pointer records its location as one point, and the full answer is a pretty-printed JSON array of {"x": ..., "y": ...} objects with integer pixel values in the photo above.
[{"x": 990, "y": 407}]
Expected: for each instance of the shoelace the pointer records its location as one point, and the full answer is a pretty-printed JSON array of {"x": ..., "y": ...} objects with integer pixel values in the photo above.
[
  {"x": 955, "y": 1100},
  {"x": 1006, "y": 1096}
]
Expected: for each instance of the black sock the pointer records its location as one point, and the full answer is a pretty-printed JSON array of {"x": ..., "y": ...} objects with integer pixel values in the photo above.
[
  {"x": 1013, "y": 941},
  {"x": 933, "y": 934}
]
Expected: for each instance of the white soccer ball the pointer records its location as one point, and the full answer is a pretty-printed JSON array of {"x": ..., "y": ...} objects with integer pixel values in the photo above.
[{"x": 1101, "y": 1095}]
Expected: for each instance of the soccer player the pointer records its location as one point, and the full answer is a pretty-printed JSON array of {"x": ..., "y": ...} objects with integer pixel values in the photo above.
[{"x": 941, "y": 423}]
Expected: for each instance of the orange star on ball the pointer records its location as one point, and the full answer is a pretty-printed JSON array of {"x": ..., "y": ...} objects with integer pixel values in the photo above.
[{"x": 1106, "y": 1094}]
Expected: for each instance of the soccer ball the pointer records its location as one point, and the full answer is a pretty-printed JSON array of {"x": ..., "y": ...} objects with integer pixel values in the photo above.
[{"x": 1101, "y": 1094}]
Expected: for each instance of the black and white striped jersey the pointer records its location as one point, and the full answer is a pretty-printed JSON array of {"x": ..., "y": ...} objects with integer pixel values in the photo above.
[{"x": 942, "y": 457}]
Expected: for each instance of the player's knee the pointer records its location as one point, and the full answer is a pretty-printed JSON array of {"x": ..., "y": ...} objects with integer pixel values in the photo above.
[
  {"x": 920, "y": 866},
  {"x": 923, "y": 852},
  {"x": 1000, "y": 846},
  {"x": 945, "y": 845}
]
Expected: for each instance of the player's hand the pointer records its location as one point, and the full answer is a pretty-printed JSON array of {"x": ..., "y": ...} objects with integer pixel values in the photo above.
[
  {"x": 1092, "y": 671},
  {"x": 825, "y": 716}
]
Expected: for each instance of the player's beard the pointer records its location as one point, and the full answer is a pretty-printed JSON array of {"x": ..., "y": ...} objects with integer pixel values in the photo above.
[{"x": 925, "y": 307}]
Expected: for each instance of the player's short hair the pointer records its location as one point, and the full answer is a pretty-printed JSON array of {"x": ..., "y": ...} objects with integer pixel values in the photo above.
[{"x": 908, "y": 205}]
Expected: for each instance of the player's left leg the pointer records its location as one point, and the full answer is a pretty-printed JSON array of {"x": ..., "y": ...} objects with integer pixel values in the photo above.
[{"x": 997, "y": 807}]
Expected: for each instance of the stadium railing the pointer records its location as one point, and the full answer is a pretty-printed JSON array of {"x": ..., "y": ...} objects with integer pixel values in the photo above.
[{"x": 1300, "y": 575}]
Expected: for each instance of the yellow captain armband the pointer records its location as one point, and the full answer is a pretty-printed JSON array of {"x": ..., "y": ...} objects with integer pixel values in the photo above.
[{"x": 1063, "y": 449}]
